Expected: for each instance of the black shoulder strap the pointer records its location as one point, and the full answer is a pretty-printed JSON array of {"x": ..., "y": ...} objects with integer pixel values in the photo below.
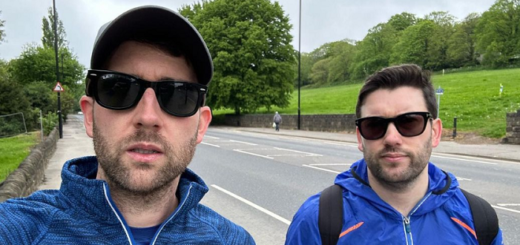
[
  {"x": 484, "y": 218},
  {"x": 330, "y": 216}
]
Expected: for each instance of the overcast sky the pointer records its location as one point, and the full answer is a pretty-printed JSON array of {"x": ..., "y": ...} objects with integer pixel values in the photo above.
[{"x": 322, "y": 20}]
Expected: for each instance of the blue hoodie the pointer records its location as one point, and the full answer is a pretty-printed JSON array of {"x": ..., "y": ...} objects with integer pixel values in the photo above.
[
  {"x": 82, "y": 212},
  {"x": 442, "y": 216}
]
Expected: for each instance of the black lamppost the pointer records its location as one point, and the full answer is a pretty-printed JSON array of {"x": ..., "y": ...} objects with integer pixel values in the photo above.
[
  {"x": 57, "y": 68},
  {"x": 299, "y": 59}
]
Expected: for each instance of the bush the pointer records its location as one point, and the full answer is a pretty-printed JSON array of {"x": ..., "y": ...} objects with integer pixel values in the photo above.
[{"x": 49, "y": 122}]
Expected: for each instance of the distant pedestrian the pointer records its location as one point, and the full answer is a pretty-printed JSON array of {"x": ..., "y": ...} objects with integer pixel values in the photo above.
[{"x": 277, "y": 120}]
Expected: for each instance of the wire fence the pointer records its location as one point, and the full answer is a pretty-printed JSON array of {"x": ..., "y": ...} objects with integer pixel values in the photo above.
[{"x": 12, "y": 124}]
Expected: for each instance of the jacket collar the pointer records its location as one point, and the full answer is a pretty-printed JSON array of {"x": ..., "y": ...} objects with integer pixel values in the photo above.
[
  {"x": 442, "y": 186},
  {"x": 86, "y": 193}
]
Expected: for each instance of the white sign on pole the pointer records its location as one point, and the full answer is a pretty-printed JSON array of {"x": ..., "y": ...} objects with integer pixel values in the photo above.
[{"x": 58, "y": 87}]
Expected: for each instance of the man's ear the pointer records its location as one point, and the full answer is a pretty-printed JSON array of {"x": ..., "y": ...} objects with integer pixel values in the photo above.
[
  {"x": 436, "y": 132},
  {"x": 204, "y": 120},
  {"x": 87, "y": 107},
  {"x": 359, "y": 140}
]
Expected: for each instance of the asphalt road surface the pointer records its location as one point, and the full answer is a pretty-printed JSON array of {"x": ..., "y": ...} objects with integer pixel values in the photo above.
[{"x": 259, "y": 181}]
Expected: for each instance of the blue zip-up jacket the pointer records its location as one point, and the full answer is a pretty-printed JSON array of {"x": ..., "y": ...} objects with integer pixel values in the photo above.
[
  {"x": 442, "y": 216},
  {"x": 82, "y": 212}
]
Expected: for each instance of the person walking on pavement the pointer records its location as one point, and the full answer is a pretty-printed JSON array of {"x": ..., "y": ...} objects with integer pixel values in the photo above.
[
  {"x": 144, "y": 108},
  {"x": 277, "y": 119},
  {"x": 394, "y": 195}
]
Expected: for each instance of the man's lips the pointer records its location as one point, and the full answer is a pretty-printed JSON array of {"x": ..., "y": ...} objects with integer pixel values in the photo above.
[
  {"x": 144, "y": 152},
  {"x": 392, "y": 157},
  {"x": 145, "y": 148}
]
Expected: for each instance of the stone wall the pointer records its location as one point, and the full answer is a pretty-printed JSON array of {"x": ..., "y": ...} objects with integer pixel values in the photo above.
[
  {"x": 31, "y": 172},
  {"x": 330, "y": 123},
  {"x": 513, "y": 128}
]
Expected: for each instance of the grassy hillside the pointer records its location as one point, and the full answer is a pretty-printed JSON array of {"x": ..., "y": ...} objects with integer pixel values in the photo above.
[
  {"x": 472, "y": 97},
  {"x": 13, "y": 150}
]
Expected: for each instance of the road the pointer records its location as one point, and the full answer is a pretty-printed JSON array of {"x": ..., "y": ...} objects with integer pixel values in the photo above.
[{"x": 259, "y": 181}]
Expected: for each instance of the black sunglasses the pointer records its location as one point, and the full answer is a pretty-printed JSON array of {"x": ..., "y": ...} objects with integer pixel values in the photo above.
[
  {"x": 119, "y": 91},
  {"x": 408, "y": 124}
]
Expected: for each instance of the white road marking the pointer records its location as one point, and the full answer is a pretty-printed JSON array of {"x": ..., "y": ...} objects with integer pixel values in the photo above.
[
  {"x": 261, "y": 209},
  {"x": 463, "y": 158},
  {"x": 308, "y": 153},
  {"x": 211, "y": 137},
  {"x": 250, "y": 153},
  {"x": 204, "y": 143},
  {"x": 246, "y": 143},
  {"x": 509, "y": 204},
  {"x": 290, "y": 155},
  {"x": 460, "y": 178},
  {"x": 507, "y": 209},
  {"x": 330, "y": 164},
  {"x": 322, "y": 169}
]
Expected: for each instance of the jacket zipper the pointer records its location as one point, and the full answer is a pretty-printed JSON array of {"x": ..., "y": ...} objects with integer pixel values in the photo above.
[
  {"x": 171, "y": 217},
  {"x": 406, "y": 220},
  {"x": 160, "y": 228},
  {"x": 407, "y": 230},
  {"x": 117, "y": 215}
]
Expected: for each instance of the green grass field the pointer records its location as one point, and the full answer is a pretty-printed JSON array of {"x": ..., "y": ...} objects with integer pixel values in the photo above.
[
  {"x": 472, "y": 97},
  {"x": 13, "y": 150}
]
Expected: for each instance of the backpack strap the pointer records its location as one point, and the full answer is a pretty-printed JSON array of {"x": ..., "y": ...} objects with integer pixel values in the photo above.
[
  {"x": 330, "y": 216},
  {"x": 484, "y": 218}
]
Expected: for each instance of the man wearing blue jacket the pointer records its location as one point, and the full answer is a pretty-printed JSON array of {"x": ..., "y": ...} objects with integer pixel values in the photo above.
[
  {"x": 144, "y": 108},
  {"x": 394, "y": 195}
]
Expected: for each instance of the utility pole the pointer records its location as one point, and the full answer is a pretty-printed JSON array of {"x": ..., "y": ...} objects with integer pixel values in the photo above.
[
  {"x": 57, "y": 65},
  {"x": 299, "y": 60}
]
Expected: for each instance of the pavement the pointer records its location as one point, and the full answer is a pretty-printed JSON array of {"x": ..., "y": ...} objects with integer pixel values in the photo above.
[{"x": 76, "y": 143}]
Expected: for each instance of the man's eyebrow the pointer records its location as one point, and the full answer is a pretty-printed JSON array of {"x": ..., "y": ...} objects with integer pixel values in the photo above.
[
  {"x": 160, "y": 79},
  {"x": 168, "y": 78}
]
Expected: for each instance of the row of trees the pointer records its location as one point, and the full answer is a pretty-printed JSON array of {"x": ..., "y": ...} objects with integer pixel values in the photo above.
[
  {"x": 256, "y": 65},
  {"x": 435, "y": 42},
  {"x": 26, "y": 82}
]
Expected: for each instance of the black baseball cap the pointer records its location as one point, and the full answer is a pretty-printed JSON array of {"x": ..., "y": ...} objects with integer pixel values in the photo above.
[{"x": 165, "y": 25}]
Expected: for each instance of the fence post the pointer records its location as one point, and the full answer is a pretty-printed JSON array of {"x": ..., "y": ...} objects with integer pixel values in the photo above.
[{"x": 454, "y": 127}]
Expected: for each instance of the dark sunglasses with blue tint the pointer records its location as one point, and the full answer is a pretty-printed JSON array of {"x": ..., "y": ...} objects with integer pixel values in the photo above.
[
  {"x": 120, "y": 91},
  {"x": 408, "y": 124}
]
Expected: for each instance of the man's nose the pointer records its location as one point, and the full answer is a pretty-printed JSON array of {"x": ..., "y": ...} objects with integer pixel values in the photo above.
[
  {"x": 392, "y": 135},
  {"x": 148, "y": 112}
]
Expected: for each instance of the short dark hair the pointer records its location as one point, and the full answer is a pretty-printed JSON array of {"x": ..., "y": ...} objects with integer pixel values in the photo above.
[{"x": 399, "y": 76}]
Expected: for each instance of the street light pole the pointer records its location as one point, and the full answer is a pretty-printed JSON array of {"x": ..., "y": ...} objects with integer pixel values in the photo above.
[
  {"x": 299, "y": 60},
  {"x": 57, "y": 64}
]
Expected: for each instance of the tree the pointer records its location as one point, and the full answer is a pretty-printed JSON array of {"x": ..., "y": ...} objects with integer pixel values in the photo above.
[
  {"x": 461, "y": 45},
  {"x": 40, "y": 96},
  {"x": 2, "y": 32},
  {"x": 12, "y": 100},
  {"x": 38, "y": 64},
  {"x": 305, "y": 70},
  {"x": 48, "y": 31},
  {"x": 402, "y": 21},
  {"x": 343, "y": 54},
  {"x": 442, "y": 31},
  {"x": 498, "y": 33},
  {"x": 320, "y": 72},
  {"x": 374, "y": 51},
  {"x": 415, "y": 44},
  {"x": 252, "y": 52}
]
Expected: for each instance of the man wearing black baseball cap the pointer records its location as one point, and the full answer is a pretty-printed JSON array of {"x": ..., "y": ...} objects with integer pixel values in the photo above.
[{"x": 144, "y": 108}]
